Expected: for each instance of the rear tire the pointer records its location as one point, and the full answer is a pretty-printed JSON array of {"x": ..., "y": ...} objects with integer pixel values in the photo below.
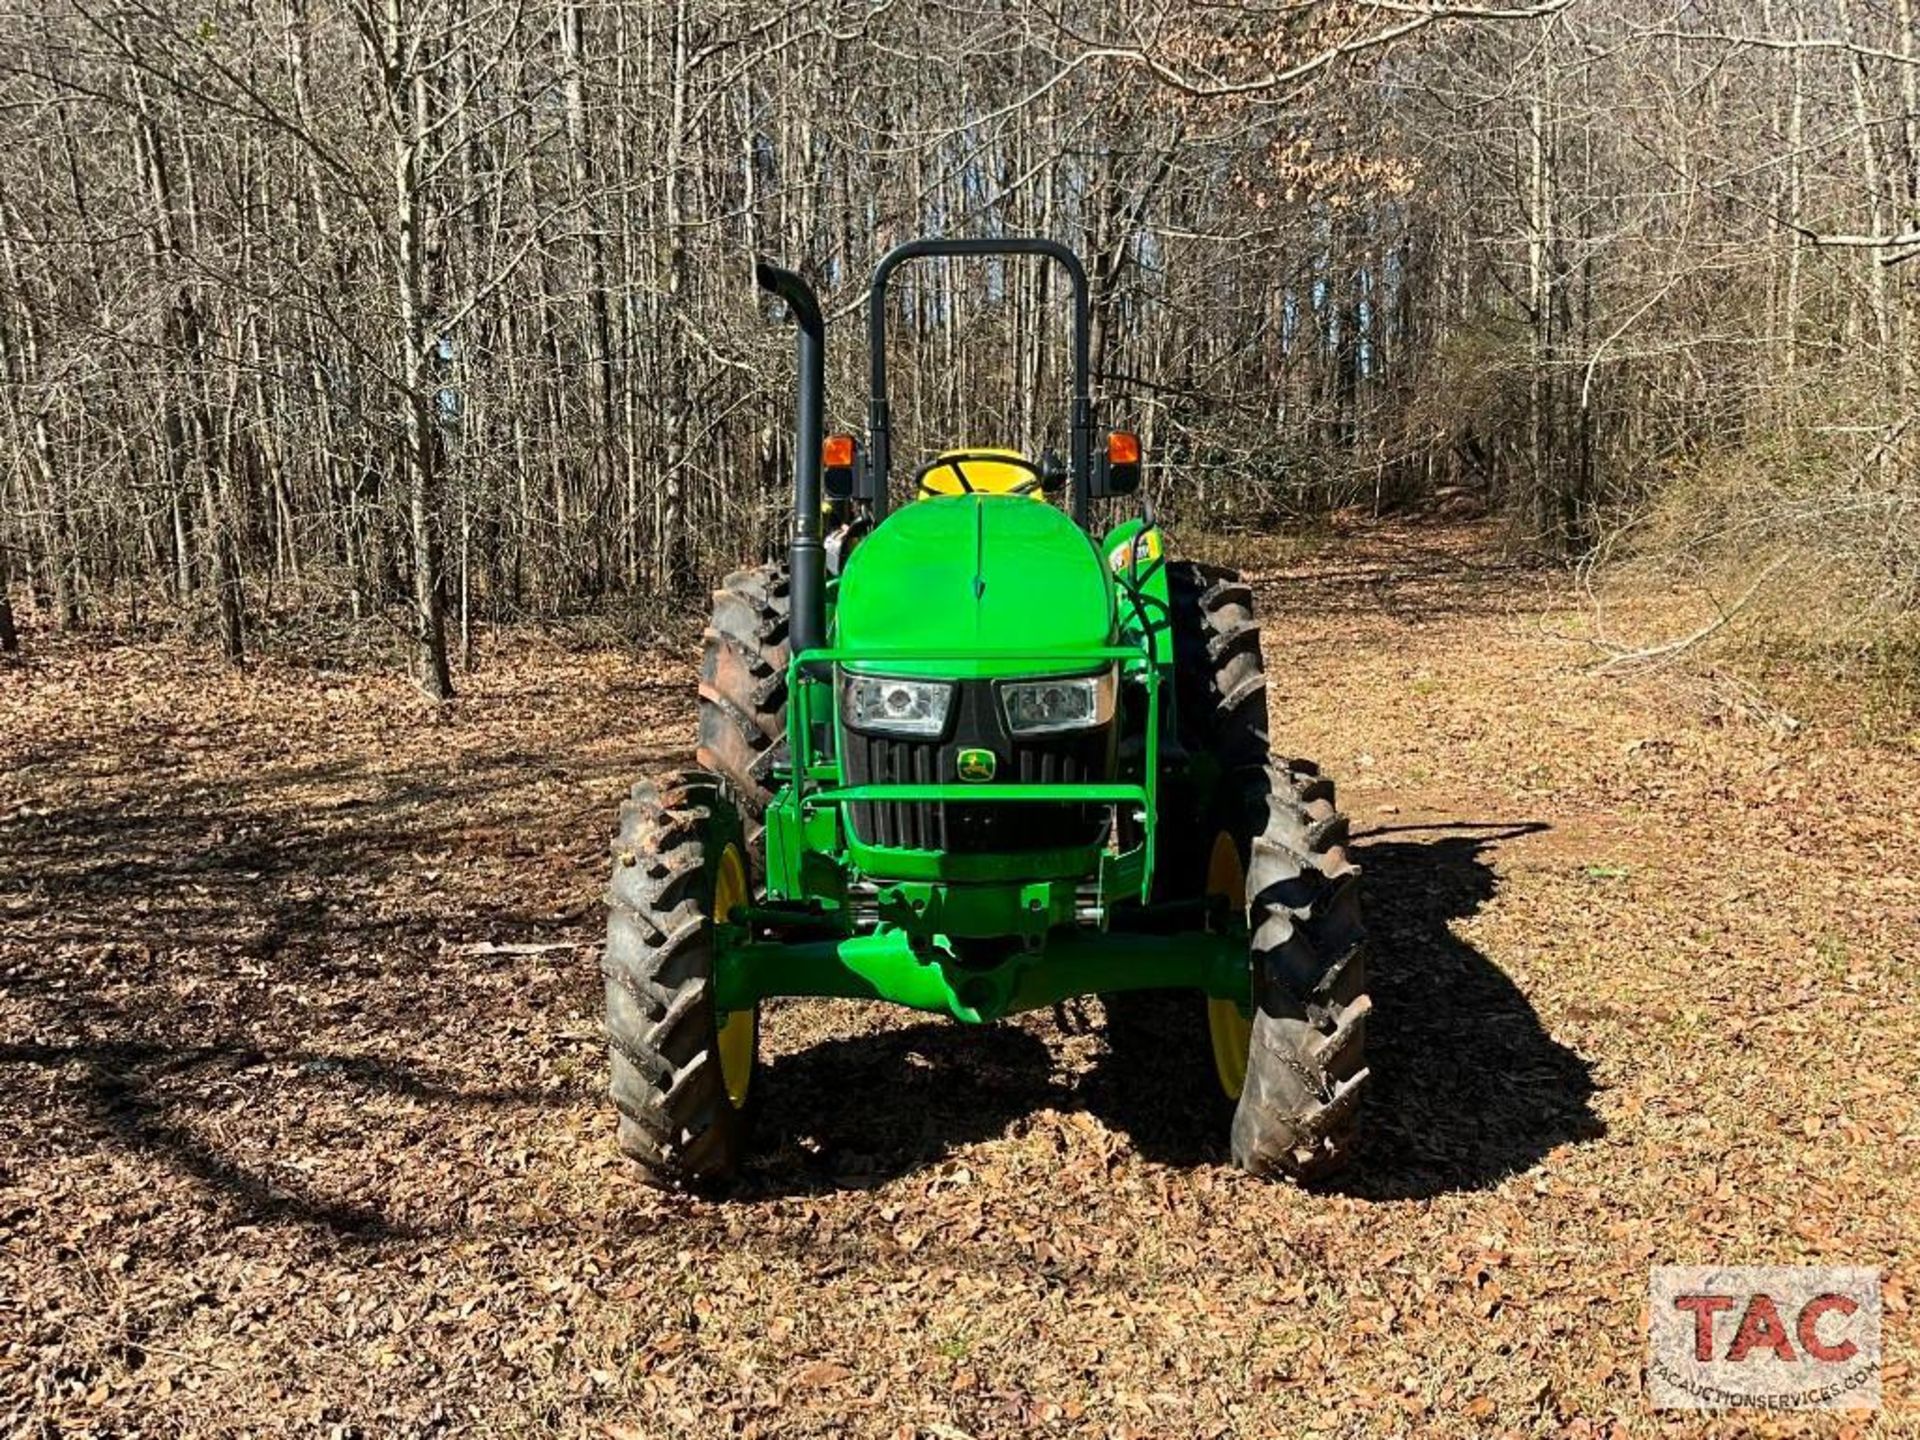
[
  {"x": 1220, "y": 678},
  {"x": 1306, "y": 1069},
  {"x": 1295, "y": 1113},
  {"x": 1220, "y": 705},
  {"x": 680, "y": 848},
  {"x": 743, "y": 690}
]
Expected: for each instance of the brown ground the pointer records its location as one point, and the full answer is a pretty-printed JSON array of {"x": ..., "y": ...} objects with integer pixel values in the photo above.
[{"x": 294, "y": 1141}]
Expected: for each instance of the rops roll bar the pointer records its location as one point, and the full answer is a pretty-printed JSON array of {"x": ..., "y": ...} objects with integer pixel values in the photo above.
[{"x": 879, "y": 434}]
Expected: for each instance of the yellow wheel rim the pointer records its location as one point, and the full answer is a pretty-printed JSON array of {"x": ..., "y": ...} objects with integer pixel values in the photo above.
[
  {"x": 1228, "y": 1028},
  {"x": 737, "y": 1035}
]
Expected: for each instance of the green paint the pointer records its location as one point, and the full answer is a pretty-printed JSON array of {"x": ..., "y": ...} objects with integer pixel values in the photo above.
[
  {"x": 998, "y": 794},
  {"x": 963, "y": 587},
  {"x": 1136, "y": 557},
  {"x": 977, "y": 869},
  {"x": 911, "y": 586},
  {"x": 889, "y": 964},
  {"x": 981, "y": 912}
]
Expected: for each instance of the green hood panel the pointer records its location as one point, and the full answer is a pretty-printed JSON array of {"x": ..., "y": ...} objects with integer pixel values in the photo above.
[{"x": 975, "y": 572}]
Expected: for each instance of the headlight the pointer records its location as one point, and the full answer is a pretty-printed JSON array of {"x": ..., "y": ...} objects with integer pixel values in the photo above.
[
  {"x": 896, "y": 707},
  {"x": 1036, "y": 706}
]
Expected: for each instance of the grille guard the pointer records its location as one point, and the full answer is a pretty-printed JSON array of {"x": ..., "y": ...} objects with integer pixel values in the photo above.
[{"x": 819, "y": 781}]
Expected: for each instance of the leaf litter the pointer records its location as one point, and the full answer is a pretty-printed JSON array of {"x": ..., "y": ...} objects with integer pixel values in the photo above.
[{"x": 301, "y": 1119}]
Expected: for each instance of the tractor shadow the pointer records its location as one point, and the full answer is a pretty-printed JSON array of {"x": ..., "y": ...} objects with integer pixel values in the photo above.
[
  {"x": 907, "y": 1098},
  {"x": 1468, "y": 1087}
]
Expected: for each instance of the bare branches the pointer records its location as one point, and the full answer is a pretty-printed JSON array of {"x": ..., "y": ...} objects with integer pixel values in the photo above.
[
  {"x": 1668, "y": 651},
  {"x": 1786, "y": 44},
  {"x": 1415, "y": 18},
  {"x": 379, "y": 273}
]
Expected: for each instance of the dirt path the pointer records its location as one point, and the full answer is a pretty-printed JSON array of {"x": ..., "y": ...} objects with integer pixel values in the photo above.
[{"x": 294, "y": 1139}]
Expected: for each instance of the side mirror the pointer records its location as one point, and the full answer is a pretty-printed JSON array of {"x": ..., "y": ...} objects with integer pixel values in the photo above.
[
  {"x": 843, "y": 469},
  {"x": 1118, "y": 471}
]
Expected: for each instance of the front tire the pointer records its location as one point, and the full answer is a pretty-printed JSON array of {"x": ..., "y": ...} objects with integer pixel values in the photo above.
[
  {"x": 1306, "y": 1063},
  {"x": 682, "y": 1071}
]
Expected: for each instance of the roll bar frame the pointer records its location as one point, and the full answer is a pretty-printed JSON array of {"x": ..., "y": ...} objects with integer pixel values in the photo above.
[{"x": 879, "y": 426}]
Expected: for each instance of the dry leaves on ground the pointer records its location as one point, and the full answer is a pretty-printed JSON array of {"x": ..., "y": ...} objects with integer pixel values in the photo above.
[{"x": 303, "y": 1129}]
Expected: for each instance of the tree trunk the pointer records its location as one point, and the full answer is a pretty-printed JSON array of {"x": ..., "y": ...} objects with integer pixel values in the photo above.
[
  {"x": 409, "y": 108},
  {"x": 9, "y": 632}
]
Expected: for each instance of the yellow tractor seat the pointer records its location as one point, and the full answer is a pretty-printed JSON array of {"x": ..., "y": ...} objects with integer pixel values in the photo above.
[{"x": 985, "y": 471}]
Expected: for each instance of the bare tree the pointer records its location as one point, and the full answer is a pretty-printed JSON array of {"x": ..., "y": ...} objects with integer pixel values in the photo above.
[{"x": 405, "y": 304}]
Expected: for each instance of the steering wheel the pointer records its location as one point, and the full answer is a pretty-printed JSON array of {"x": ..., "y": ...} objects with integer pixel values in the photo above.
[{"x": 956, "y": 461}]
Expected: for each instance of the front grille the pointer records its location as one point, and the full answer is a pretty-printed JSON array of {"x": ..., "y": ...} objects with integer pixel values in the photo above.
[{"x": 1072, "y": 757}]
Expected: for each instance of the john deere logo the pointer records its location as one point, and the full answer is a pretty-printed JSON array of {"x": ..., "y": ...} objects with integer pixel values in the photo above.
[{"x": 976, "y": 765}]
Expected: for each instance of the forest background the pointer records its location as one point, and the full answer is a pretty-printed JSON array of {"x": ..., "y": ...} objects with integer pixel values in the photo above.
[{"x": 383, "y": 319}]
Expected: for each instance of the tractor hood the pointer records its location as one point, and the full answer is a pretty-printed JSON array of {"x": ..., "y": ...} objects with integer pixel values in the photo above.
[{"x": 975, "y": 573}]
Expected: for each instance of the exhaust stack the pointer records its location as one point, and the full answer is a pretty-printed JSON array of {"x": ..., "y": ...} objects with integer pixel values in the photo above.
[{"x": 806, "y": 555}]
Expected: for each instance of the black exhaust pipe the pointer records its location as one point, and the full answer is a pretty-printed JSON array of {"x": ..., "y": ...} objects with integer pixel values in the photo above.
[{"x": 806, "y": 556}]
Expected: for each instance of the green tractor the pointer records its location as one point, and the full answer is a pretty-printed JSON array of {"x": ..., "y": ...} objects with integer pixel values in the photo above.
[{"x": 974, "y": 757}]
